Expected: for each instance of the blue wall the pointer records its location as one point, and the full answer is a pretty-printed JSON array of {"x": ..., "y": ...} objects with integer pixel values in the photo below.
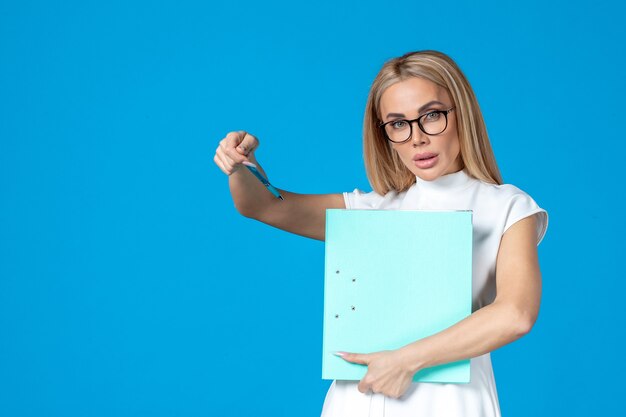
[{"x": 130, "y": 286}]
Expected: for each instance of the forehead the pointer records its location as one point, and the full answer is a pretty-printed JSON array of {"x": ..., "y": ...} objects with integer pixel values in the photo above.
[{"x": 409, "y": 95}]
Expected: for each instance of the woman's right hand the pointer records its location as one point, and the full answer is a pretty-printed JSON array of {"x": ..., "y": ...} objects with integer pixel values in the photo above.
[
  {"x": 303, "y": 214},
  {"x": 234, "y": 149}
]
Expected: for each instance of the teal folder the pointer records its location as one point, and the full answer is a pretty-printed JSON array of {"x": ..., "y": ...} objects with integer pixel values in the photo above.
[{"x": 393, "y": 277}]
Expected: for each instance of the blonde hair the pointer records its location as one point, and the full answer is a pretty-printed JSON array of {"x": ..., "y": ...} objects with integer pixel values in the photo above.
[{"x": 385, "y": 170}]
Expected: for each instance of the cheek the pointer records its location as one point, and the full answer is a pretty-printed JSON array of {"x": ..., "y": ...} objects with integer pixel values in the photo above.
[
  {"x": 455, "y": 137},
  {"x": 454, "y": 145},
  {"x": 453, "y": 150},
  {"x": 403, "y": 152}
]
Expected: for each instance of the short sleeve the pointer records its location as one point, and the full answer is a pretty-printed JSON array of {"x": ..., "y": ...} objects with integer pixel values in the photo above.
[{"x": 520, "y": 206}]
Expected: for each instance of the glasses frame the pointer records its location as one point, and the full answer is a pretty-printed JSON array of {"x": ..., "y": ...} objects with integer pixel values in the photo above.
[{"x": 419, "y": 124}]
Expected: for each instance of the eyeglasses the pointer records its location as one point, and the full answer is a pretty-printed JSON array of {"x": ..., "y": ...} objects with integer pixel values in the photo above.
[{"x": 431, "y": 123}]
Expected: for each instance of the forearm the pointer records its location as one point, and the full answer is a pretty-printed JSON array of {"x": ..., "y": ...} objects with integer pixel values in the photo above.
[
  {"x": 302, "y": 214},
  {"x": 250, "y": 196},
  {"x": 485, "y": 330},
  {"x": 509, "y": 317}
]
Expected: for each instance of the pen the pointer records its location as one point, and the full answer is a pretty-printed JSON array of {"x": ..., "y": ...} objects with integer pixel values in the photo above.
[{"x": 252, "y": 167}]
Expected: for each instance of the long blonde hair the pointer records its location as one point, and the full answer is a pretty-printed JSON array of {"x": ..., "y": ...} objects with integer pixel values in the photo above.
[{"x": 385, "y": 170}]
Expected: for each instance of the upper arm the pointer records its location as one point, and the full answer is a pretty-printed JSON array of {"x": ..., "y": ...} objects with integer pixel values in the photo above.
[
  {"x": 302, "y": 214},
  {"x": 518, "y": 278}
]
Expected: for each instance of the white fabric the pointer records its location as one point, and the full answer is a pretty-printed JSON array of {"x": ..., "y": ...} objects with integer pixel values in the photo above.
[{"x": 495, "y": 209}]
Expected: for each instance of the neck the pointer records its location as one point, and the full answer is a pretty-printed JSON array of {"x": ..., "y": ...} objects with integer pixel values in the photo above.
[{"x": 453, "y": 181}]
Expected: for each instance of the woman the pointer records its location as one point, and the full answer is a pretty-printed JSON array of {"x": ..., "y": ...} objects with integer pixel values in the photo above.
[{"x": 425, "y": 147}]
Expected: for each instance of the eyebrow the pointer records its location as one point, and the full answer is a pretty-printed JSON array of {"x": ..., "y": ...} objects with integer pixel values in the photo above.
[{"x": 425, "y": 106}]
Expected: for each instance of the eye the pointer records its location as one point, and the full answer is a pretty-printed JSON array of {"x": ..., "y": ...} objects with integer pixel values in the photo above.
[
  {"x": 399, "y": 124},
  {"x": 433, "y": 116}
]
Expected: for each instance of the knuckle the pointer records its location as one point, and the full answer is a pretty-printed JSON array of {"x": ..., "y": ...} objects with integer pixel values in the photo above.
[
  {"x": 251, "y": 141},
  {"x": 224, "y": 153},
  {"x": 231, "y": 155},
  {"x": 231, "y": 139},
  {"x": 236, "y": 157}
]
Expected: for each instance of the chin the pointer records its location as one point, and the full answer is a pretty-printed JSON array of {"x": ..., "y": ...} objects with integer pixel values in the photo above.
[
  {"x": 429, "y": 175},
  {"x": 426, "y": 176}
]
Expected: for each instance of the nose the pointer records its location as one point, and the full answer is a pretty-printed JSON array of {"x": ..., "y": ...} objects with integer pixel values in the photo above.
[{"x": 417, "y": 136}]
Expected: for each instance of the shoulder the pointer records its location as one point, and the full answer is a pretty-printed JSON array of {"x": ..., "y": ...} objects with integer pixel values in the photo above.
[
  {"x": 500, "y": 192},
  {"x": 512, "y": 204}
]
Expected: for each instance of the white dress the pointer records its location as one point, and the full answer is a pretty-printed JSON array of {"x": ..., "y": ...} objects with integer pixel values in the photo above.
[{"x": 495, "y": 208}]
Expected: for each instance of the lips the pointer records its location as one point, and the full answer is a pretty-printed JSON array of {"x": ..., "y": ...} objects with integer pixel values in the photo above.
[
  {"x": 422, "y": 156},
  {"x": 425, "y": 160}
]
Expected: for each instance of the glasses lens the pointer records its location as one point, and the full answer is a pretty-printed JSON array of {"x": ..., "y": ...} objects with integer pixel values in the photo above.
[
  {"x": 398, "y": 130},
  {"x": 433, "y": 123}
]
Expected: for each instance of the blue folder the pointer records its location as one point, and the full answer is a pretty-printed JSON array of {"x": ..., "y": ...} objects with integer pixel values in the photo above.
[{"x": 393, "y": 277}]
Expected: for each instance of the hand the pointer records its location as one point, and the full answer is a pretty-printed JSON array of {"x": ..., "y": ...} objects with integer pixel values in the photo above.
[
  {"x": 388, "y": 372},
  {"x": 233, "y": 150}
]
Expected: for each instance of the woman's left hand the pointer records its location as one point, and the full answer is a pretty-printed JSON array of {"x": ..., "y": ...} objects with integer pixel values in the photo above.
[{"x": 388, "y": 372}]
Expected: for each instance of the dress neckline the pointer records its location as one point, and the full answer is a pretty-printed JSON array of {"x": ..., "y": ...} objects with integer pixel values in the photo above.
[{"x": 450, "y": 182}]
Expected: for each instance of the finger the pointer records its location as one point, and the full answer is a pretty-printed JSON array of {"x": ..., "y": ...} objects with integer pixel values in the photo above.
[
  {"x": 365, "y": 384},
  {"x": 248, "y": 144},
  {"x": 237, "y": 144},
  {"x": 360, "y": 358},
  {"x": 229, "y": 155},
  {"x": 227, "y": 163},
  {"x": 220, "y": 165},
  {"x": 233, "y": 139},
  {"x": 227, "y": 169}
]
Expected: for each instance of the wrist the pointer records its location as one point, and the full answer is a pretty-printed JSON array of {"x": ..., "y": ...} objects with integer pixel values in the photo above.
[{"x": 413, "y": 358}]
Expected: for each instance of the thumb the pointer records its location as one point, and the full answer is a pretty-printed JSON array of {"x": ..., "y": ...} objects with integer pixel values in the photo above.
[
  {"x": 360, "y": 358},
  {"x": 248, "y": 143}
]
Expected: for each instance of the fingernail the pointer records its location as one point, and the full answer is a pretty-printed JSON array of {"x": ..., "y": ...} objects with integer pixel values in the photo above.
[{"x": 340, "y": 354}]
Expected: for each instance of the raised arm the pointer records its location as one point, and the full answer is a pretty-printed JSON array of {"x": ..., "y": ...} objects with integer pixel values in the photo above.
[{"x": 302, "y": 214}]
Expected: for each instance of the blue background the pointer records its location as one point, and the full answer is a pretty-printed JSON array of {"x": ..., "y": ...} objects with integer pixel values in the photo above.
[{"x": 129, "y": 284}]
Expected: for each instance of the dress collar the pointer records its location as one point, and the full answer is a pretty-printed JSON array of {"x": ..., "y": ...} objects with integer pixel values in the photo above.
[{"x": 451, "y": 182}]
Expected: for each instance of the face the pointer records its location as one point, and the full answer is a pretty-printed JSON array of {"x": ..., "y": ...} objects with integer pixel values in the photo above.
[{"x": 428, "y": 157}]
